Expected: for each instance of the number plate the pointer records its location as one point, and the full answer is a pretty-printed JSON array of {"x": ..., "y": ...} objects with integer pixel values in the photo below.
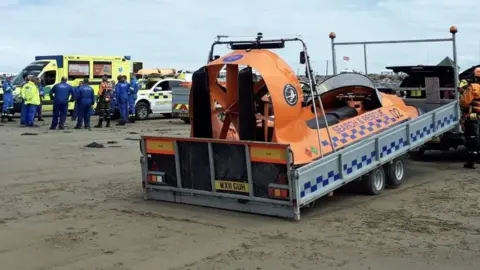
[{"x": 221, "y": 185}]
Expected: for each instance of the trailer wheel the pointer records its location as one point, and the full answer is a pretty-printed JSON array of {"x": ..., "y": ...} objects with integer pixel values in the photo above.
[
  {"x": 374, "y": 182},
  {"x": 395, "y": 173}
]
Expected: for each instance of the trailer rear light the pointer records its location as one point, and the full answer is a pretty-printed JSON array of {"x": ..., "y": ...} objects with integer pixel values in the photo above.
[
  {"x": 153, "y": 178},
  {"x": 278, "y": 193}
]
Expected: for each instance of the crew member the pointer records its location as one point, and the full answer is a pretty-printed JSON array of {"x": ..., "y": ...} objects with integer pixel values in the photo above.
[
  {"x": 7, "y": 101},
  {"x": 113, "y": 102},
  {"x": 132, "y": 97},
  {"x": 42, "y": 96},
  {"x": 31, "y": 98},
  {"x": 75, "y": 108},
  {"x": 60, "y": 94},
  {"x": 470, "y": 105},
  {"x": 23, "y": 109},
  {"x": 121, "y": 95},
  {"x": 104, "y": 99},
  {"x": 84, "y": 101}
]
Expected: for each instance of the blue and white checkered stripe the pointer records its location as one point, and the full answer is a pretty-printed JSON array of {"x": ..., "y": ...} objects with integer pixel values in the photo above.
[
  {"x": 393, "y": 146},
  {"x": 359, "y": 163},
  {"x": 429, "y": 129},
  {"x": 319, "y": 183},
  {"x": 420, "y": 133},
  {"x": 447, "y": 120}
]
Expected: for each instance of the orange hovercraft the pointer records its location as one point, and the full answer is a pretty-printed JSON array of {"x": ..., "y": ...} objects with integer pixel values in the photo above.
[{"x": 273, "y": 107}]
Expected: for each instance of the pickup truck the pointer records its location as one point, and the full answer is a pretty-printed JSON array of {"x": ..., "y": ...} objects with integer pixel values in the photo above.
[{"x": 180, "y": 100}]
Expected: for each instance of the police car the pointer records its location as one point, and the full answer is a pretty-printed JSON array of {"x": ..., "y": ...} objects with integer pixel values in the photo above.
[{"x": 155, "y": 96}]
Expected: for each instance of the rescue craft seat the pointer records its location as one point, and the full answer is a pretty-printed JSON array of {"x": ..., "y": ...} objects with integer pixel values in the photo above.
[{"x": 333, "y": 117}]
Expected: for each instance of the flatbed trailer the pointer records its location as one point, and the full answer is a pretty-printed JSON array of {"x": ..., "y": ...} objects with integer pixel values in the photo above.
[
  {"x": 261, "y": 177},
  {"x": 199, "y": 184}
]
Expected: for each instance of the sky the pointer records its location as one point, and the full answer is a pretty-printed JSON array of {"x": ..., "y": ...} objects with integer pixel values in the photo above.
[{"x": 178, "y": 34}]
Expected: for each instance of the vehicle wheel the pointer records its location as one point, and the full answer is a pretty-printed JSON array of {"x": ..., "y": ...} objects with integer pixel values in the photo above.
[
  {"x": 186, "y": 120},
  {"x": 167, "y": 115},
  {"x": 142, "y": 110},
  {"x": 395, "y": 171},
  {"x": 374, "y": 182}
]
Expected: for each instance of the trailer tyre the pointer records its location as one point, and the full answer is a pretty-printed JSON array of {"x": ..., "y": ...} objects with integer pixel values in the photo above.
[
  {"x": 374, "y": 182},
  {"x": 395, "y": 173}
]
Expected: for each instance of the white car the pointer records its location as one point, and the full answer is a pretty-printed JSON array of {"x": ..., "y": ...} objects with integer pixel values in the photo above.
[{"x": 155, "y": 96}]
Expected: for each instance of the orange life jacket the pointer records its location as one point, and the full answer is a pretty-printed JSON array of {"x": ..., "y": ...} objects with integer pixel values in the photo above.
[
  {"x": 105, "y": 91},
  {"x": 470, "y": 99}
]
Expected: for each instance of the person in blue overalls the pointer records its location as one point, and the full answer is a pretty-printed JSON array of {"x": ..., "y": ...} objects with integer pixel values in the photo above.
[
  {"x": 113, "y": 102},
  {"x": 85, "y": 99},
  {"x": 75, "y": 107},
  {"x": 60, "y": 94},
  {"x": 121, "y": 94},
  {"x": 132, "y": 97},
  {"x": 7, "y": 107}
]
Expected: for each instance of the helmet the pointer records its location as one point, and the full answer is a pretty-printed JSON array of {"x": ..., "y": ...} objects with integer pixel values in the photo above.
[{"x": 476, "y": 72}]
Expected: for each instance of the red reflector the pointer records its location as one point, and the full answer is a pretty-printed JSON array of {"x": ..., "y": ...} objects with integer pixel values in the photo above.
[
  {"x": 270, "y": 192},
  {"x": 283, "y": 193},
  {"x": 282, "y": 180},
  {"x": 154, "y": 166}
]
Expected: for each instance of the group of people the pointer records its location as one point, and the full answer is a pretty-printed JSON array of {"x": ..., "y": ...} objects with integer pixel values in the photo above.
[
  {"x": 111, "y": 95},
  {"x": 30, "y": 94}
]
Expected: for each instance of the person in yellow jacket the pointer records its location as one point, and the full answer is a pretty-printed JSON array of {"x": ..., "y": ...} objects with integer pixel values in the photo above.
[{"x": 31, "y": 98}]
